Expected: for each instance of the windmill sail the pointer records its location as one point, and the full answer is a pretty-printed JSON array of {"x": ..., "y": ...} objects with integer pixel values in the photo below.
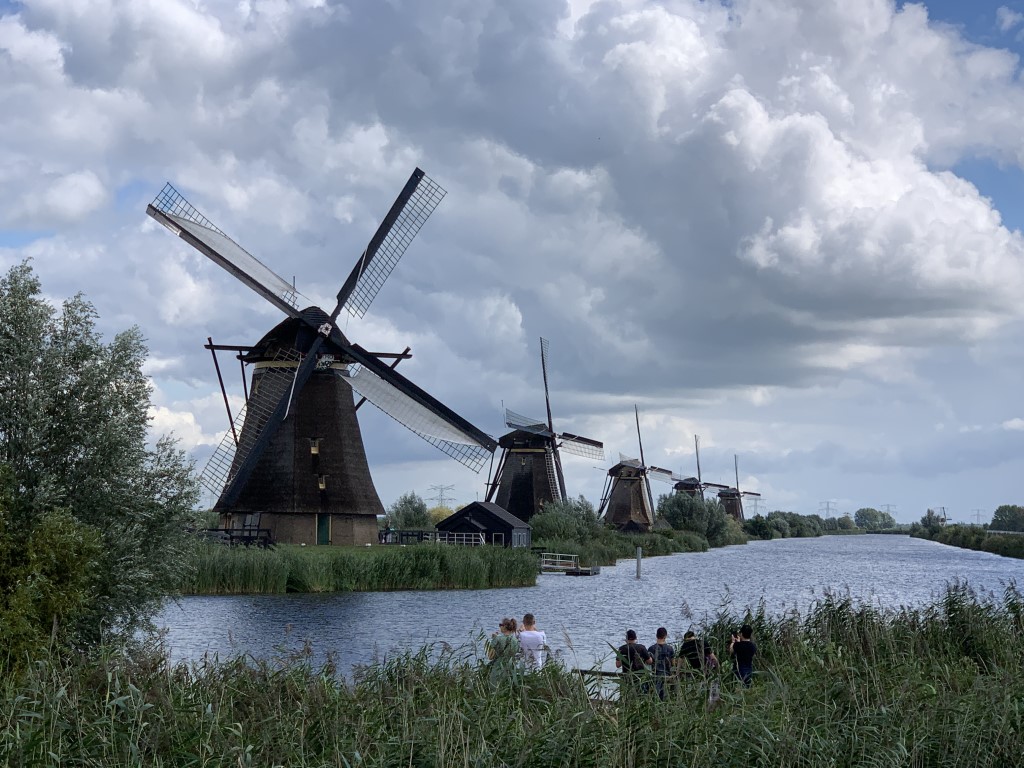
[
  {"x": 581, "y": 446},
  {"x": 432, "y": 427},
  {"x": 273, "y": 384},
  {"x": 176, "y": 213},
  {"x": 417, "y": 200},
  {"x": 518, "y": 421},
  {"x": 660, "y": 474}
]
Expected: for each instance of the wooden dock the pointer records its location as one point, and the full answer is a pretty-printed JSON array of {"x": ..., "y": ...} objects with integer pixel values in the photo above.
[{"x": 552, "y": 562}]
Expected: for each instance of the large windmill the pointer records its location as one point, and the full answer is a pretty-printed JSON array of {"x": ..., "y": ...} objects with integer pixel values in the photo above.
[
  {"x": 627, "y": 502},
  {"x": 529, "y": 472},
  {"x": 295, "y": 454}
]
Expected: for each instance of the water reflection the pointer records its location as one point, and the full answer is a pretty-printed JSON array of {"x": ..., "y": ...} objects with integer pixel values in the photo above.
[{"x": 583, "y": 615}]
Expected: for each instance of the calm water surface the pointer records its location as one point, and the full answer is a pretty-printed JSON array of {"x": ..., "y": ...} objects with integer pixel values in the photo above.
[{"x": 582, "y": 615}]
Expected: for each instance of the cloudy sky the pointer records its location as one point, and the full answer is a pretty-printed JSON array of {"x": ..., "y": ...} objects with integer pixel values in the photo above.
[{"x": 791, "y": 227}]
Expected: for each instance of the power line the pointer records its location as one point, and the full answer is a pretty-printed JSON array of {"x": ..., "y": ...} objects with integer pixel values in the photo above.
[
  {"x": 827, "y": 509},
  {"x": 440, "y": 491}
]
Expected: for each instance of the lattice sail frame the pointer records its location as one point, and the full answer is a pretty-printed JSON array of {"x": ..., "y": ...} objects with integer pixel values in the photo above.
[
  {"x": 581, "y": 446},
  {"x": 378, "y": 266},
  {"x": 183, "y": 214},
  {"x": 518, "y": 421},
  {"x": 416, "y": 418},
  {"x": 662, "y": 475},
  {"x": 274, "y": 384}
]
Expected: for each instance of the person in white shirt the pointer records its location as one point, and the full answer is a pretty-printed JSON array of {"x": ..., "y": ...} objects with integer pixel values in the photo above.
[{"x": 533, "y": 642}]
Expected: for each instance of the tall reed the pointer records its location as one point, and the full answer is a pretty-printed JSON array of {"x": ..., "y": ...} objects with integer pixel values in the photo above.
[
  {"x": 846, "y": 684},
  {"x": 219, "y": 570}
]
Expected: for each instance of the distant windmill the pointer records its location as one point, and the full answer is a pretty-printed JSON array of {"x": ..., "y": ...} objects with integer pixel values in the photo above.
[
  {"x": 295, "y": 454},
  {"x": 529, "y": 472},
  {"x": 627, "y": 502},
  {"x": 694, "y": 486},
  {"x": 732, "y": 498}
]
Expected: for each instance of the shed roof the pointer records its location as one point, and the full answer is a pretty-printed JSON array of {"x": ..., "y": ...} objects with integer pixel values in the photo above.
[{"x": 491, "y": 508}]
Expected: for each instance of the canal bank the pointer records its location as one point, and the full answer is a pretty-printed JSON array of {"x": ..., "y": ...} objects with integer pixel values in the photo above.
[{"x": 581, "y": 616}]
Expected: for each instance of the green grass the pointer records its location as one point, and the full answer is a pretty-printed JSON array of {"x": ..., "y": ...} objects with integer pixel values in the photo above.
[
  {"x": 844, "y": 685},
  {"x": 977, "y": 538},
  {"x": 221, "y": 570}
]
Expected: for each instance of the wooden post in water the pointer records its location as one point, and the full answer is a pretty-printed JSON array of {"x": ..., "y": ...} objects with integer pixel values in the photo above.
[{"x": 639, "y": 556}]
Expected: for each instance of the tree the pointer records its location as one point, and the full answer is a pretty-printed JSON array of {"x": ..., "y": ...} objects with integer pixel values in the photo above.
[
  {"x": 868, "y": 518},
  {"x": 931, "y": 522},
  {"x": 439, "y": 513},
  {"x": 777, "y": 522},
  {"x": 706, "y": 518},
  {"x": 758, "y": 527},
  {"x": 569, "y": 520},
  {"x": 409, "y": 513},
  {"x": 92, "y": 519},
  {"x": 846, "y": 523},
  {"x": 1008, "y": 517}
]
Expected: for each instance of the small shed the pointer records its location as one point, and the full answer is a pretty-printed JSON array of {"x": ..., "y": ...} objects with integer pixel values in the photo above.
[{"x": 498, "y": 526}]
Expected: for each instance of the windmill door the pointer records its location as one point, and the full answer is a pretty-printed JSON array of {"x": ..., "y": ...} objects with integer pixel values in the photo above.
[{"x": 323, "y": 529}]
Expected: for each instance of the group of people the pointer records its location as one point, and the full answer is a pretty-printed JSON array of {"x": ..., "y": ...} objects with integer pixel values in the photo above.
[
  {"x": 522, "y": 646},
  {"x": 516, "y": 645},
  {"x": 695, "y": 656}
]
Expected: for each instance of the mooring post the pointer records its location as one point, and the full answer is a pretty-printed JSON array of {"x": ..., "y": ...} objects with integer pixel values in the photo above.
[{"x": 639, "y": 557}]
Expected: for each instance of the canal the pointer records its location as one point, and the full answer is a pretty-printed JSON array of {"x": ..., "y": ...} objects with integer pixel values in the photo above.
[{"x": 583, "y": 615}]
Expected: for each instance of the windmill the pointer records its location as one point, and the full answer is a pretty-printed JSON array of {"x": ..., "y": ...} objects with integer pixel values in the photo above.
[
  {"x": 694, "y": 487},
  {"x": 627, "y": 502},
  {"x": 295, "y": 458},
  {"x": 529, "y": 472},
  {"x": 732, "y": 498}
]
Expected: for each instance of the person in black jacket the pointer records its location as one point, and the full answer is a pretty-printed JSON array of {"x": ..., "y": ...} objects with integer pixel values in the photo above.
[
  {"x": 743, "y": 649},
  {"x": 632, "y": 658}
]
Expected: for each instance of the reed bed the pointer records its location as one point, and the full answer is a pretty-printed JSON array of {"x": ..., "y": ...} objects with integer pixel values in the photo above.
[
  {"x": 221, "y": 570},
  {"x": 976, "y": 537},
  {"x": 847, "y": 684}
]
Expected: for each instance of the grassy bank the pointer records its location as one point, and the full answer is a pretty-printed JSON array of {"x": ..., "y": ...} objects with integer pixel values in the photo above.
[
  {"x": 219, "y": 570},
  {"x": 975, "y": 537},
  {"x": 846, "y": 685}
]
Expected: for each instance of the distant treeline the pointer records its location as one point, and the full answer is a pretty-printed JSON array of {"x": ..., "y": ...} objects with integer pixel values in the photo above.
[{"x": 1008, "y": 517}]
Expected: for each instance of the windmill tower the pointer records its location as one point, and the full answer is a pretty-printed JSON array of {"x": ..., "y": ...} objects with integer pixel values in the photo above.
[
  {"x": 694, "y": 487},
  {"x": 732, "y": 498},
  {"x": 295, "y": 453},
  {"x": 529, "y": 472},
  {"x": 627, "y": 502}
]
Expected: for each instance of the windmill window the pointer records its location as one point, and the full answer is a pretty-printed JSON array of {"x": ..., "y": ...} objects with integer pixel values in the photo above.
[
  {"x": 314, "y": 446},
  {"x": 321, "y": 481}
]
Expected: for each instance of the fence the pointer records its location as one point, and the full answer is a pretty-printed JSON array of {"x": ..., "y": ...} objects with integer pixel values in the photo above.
[{"x": 433, "y": 537}]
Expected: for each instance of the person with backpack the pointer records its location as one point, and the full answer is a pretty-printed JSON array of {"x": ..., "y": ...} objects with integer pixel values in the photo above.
[
  {"x": 632, "y": 658},
  {"x": 662, "y": 654}
]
